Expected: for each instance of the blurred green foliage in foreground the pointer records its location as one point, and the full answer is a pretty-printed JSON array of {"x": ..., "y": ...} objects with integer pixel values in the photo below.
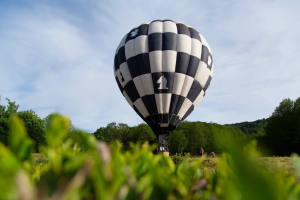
[{"x": 65, "y": 171}]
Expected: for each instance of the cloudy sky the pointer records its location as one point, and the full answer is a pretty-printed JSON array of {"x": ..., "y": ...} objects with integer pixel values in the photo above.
[{"x": 58, "y": 56}]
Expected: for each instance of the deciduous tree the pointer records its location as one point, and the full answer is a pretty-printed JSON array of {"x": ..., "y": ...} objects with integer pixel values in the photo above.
[
  {"x": 282, "y": 130},
  {"x": 178, "y": 141},
  {"x": 6, "y": 113},
  {"x": 35, "y": 126}
]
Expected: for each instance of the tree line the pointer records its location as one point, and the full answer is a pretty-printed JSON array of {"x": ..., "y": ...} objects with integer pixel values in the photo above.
[
  {"x": 280, "y": 133},
  {"x": 36, "y": 127},
  {"x": 255, "y": 127},
  {"x": 283, "y": 129}
]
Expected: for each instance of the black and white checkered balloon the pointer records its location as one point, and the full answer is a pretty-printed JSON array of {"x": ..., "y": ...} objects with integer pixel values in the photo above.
[{"x": 163, "y": 69}]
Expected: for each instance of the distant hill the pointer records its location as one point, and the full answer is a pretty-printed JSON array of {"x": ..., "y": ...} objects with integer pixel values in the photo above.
[{"x": 251, "y": 127}]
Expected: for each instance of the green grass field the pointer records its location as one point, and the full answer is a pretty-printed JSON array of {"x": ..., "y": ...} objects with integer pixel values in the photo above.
[{"x": 271, "y": 164}]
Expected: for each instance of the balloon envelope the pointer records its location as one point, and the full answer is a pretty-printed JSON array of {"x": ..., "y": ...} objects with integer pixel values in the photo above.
[{"x": 163, "y": 69}]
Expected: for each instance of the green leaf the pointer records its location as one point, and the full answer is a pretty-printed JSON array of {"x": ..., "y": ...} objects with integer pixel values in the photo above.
[
  {"x": 20, "y": 144},
  {"x": 57, "y": 131}
]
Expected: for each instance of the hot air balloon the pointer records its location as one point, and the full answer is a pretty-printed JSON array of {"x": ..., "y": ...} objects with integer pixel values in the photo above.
[{"x": 163, "y": 70}]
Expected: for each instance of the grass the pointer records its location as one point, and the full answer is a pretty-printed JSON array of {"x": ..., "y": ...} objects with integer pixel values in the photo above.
[
  {"x": 38, "y": 158},
  {"x": 271, "y": 164}
]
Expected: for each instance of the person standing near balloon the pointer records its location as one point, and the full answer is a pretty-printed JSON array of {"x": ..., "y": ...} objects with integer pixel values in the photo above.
[{"x": 202, "y": 152}]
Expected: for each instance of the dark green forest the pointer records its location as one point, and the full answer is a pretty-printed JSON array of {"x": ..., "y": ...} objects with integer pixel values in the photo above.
[
  {"x": 280, "y": 133},
  {"x": 254, "y": 127}
]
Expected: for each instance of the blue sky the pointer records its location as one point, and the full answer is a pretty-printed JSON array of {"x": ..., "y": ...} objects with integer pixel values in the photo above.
[{"x": 58, "y": 56}]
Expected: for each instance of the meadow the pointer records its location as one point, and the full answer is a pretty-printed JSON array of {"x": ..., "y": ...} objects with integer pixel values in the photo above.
[
  {"x": 96, "y": 170},
  {"x": 283, "y": 165}
]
